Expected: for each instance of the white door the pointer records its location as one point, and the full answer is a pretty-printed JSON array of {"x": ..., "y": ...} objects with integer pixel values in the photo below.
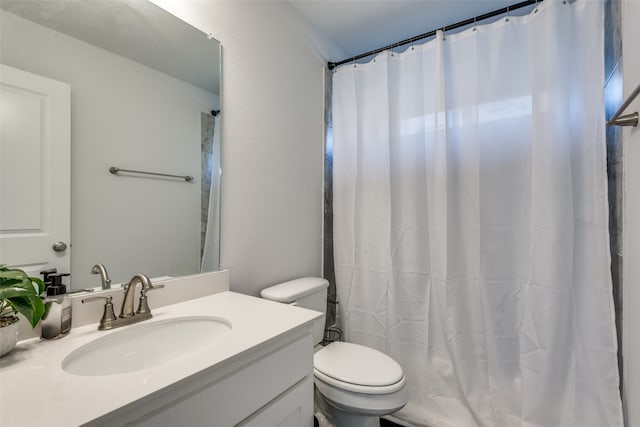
[{"x": 35, "y": 159}]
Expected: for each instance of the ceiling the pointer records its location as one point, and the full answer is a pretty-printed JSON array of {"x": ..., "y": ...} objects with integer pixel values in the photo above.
[
  {"x": 358, "y": 26},
  {"x": 160, "y": 38},
  {"x": 352, "y": 27}
]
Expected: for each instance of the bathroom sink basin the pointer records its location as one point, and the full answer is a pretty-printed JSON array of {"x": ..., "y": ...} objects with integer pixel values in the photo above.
[{"x": 146, "y": 345}]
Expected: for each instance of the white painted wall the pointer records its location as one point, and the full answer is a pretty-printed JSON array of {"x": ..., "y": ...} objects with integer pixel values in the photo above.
[
  {"x": 631, "y": 240},
  {"x": 130, "y": 116},
  {"x": 272, "y": 138}
]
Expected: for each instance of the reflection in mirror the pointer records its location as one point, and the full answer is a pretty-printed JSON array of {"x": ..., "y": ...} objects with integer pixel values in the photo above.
[{"x": 144, "y": 95}]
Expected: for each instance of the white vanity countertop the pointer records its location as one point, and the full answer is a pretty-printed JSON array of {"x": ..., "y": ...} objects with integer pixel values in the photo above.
[{"x": 35, "y": 391}]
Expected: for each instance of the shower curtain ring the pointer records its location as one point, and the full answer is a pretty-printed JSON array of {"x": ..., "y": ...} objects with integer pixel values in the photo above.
[
  {"x": 393, "y": 52},
  {"x": 475, "y": 22},
  {"x": 508, "y": 10}
]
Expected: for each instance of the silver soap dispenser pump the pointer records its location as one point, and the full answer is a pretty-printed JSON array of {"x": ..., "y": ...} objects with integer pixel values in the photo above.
[{"x": 56, "y": 321}]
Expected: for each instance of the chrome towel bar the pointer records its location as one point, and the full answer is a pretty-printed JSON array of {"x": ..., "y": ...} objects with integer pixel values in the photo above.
[
  {"x": 114, "y": 170},
  {"x": 627, "y": 119}
]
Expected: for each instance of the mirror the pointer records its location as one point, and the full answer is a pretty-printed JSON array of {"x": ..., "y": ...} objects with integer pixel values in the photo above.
[{"x": 144, "y": 96}]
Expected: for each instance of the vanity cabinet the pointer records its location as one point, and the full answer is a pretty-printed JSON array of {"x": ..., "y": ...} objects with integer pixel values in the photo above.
[
  {"x": 268, "y": 386},
  {"x": 259, "y": 374}
]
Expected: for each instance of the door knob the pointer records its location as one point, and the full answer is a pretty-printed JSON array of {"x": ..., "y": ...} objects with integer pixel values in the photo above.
[{"x": 59, "y": 246}]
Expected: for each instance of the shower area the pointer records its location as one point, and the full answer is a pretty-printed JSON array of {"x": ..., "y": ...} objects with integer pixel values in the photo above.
[{"x": 473, "y": 216}]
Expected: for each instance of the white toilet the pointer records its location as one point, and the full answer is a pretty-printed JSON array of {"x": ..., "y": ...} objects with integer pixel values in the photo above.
[{"x": 357, "y": 383}]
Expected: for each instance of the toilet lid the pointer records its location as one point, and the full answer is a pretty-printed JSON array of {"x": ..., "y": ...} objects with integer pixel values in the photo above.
[{"x": 358, "y": 365}]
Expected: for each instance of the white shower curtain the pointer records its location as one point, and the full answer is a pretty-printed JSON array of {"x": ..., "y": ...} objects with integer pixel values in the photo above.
[
  {"x": 211, "y": 252},
  {"x": 470, "y": 221}
]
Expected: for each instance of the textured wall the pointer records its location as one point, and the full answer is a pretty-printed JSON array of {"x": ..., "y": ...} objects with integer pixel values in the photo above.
[
  {"x": 631, "y": 226},
  {"x": 613, "y": 99}
]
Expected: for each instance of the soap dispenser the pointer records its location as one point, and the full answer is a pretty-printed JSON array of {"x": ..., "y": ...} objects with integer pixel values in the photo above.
[
  {"x": 57, "y": 313},
  {"x": 46, "y": 279}
]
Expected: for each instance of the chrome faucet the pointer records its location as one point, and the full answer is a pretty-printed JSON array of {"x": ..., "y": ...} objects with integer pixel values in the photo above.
[
  {"x": 127, "y": 315},
  {"x": 129, "y": 295},
  {"x": 104, "y": 276}
]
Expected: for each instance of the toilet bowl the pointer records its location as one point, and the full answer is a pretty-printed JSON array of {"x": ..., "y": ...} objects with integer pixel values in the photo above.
[
  {"x": 360, "y": 384},
  {"x": 357, "y": 384}
]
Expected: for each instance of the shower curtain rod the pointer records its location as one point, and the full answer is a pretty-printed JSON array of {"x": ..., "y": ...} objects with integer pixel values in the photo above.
[
  {"x": 432, "y": 33},
  {"x": 628, "y": 119}
]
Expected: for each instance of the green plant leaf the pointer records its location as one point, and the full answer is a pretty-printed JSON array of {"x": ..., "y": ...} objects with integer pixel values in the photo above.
[
  {"x": 14, "y": 292},
  {"x": 19, "y": 283},
  {"x": 17, "y": 278},
  {"x": 13, "y": 274},
  {"x": 5, "y": 282},
  {"x": 31, "y": 308},
  {"x": 40, "y": 284},
  {"x": 21, "y": 293}
]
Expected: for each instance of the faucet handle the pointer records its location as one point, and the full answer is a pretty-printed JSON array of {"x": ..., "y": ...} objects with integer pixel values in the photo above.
[
  {"x": 152, "y": 287},
  {"x": 108, "y": 316},
  {"x": 143, "y": 306}
]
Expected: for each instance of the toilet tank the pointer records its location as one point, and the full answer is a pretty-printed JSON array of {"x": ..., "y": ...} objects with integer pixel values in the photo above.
[{"x": 306, "y": 292}]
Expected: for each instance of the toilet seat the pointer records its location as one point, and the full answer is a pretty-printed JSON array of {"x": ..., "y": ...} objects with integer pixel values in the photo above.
[{"x": 358, "y": 369}]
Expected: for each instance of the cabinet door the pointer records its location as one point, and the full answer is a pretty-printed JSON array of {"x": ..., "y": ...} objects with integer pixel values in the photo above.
[{"x": 293, "y": 408}]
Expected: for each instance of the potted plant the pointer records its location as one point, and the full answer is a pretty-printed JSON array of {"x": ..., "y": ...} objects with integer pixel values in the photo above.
[{"x": 19, "y": 293}]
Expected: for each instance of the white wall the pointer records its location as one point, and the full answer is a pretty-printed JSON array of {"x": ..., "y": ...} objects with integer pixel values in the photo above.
[
  {"x": 130, "y": 116},
  {"x": 272, "y": 138},
  {"x": 631, "y": 227}
]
